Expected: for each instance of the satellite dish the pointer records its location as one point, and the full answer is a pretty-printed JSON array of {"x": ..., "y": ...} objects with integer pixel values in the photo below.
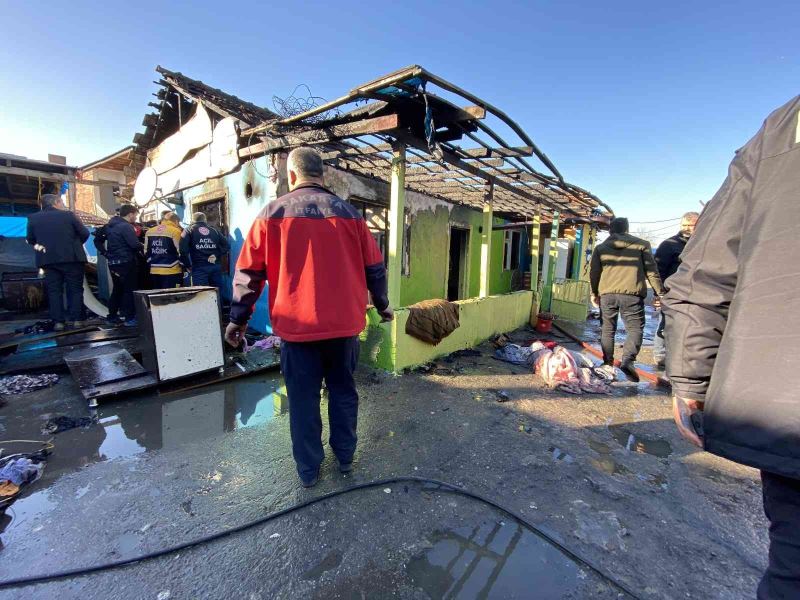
[{"x": 145, "y": 187}]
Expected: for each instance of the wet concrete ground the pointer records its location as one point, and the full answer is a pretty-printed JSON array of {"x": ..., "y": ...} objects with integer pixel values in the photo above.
[{"x": 606, "y": 476}]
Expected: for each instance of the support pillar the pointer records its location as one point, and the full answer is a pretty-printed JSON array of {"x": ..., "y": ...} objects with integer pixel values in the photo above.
[
  {"x": 397, "y": 207},
  {"x": 577, "y": 251},
  {"x": 536, "y": 235},
  {"x": 547, "y": 290},
  {"x": 586, "y": 243},
  {"x": 486, "y": 240}
]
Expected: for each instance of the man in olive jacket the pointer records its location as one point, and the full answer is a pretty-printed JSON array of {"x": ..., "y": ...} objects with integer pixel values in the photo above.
[
  {"x": 733, "y": 327},
  {"x": 620, "y": 269}
]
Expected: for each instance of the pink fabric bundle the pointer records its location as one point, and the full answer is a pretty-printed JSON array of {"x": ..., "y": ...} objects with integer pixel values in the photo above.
[{"x": 559, "y": 370}]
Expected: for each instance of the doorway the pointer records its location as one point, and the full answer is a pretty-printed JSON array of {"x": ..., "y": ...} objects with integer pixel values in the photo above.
[
  {"x": 216, "y": 216},
  {"x": 457, "y": 272}
]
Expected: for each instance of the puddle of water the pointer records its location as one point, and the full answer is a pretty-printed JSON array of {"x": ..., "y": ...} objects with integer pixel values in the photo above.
[
  {"x": 332, "y": 560},
  {"x": 559, "y": 454},
  {"x": 638, "y": 443},
  {"x": 605, "y": 462},
  {"x": 609, "y": 465},
  {"x": 138, "y": 424},
  {"x": 495, "y": 560}
]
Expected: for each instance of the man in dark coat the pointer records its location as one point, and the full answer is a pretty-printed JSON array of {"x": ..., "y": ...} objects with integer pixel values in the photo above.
[
  {"x": 58, "y": 236},
  {"x": 620, "y": 269},
  {"x": 732, "y": 324},
  {"x": 668, "y": 259},
  {"x": 122, "y": 250}
]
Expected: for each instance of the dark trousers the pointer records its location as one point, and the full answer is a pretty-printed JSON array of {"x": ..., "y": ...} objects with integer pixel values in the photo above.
[
  {"x": 304, "y": 366},
  {"x": 631, "y": 308},
  {"x": 125, "y": 277},
  {"x": 207, "y": 275},
  {"x": 782, "y": 507},
  {"x": 165, "y": 282},
  {"x": 61, "y": 276}
]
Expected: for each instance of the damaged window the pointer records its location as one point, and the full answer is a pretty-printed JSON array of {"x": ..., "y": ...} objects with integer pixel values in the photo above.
[
  {"x": 513, "y": 239},
  {"x": 377, "y": 219}
]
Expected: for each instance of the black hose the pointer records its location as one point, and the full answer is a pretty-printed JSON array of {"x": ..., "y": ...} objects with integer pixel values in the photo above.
[{"x": 34, "y": 579}]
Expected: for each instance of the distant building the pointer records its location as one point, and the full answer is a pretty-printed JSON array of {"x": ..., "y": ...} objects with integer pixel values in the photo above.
[{"x": 102, "y": 200}]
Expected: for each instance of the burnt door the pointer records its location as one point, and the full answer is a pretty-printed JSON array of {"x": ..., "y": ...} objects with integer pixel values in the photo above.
[
  {"x": 457, "y": 267},
  {"x": 215, "y": 211}
]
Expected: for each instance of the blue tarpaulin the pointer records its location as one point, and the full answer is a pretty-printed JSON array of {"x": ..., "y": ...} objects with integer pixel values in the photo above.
[{"x": 13, "y": 226}]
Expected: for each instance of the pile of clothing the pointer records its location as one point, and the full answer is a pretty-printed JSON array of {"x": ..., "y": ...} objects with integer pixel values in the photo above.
[
  {"x": 20, "y": 384},
  {"x": 266, "y": 343},
  {"x": 432, "y": 320},
  {"x": 560, "y": 369},
  {"x": 38, "y": 327},
  {"x": 17, "y": 471}
]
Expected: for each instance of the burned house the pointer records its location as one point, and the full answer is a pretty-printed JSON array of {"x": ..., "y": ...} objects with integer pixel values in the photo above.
[{"x": 460, "y": 213}]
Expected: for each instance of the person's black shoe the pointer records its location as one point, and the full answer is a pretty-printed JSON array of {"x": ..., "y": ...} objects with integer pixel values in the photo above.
[
  {"x": 629, "y": 371},
  {"x": 345, "y": 467},
  {"x": 309, "y": 483}
]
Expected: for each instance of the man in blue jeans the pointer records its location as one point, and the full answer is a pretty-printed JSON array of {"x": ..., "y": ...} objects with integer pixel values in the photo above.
[
  {"x": 58, "y": 236},
  {"x": 319, "y": 258},
  {"x": 202, "y": 249}
]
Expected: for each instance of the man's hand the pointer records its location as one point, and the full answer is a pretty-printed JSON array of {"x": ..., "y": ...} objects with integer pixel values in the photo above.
[
  {"x": 387, "y": 314},
  {"x": 682, "y": 411},
  {"x": 657, "y": 302},
  {"x": 595, "y": 300},
  {"x": 234, "y": 334}
]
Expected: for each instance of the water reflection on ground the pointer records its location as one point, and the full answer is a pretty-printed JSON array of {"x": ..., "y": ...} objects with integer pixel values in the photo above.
[
  {"x": 497, "y": 559},
  {"x": 139, "y": 424}
]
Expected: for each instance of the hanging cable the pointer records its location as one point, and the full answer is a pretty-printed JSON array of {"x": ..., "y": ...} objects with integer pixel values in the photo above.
[{"x": 445, "y": 487}]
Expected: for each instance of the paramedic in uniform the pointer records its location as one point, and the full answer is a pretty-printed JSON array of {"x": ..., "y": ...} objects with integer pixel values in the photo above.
[
  {"x": 319, "y": 259},
  {"x": 161, "y": 251},
  {"x": 202, "y": 249}
]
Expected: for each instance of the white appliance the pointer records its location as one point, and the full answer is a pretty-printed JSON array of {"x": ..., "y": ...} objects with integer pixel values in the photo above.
[{"x": 181, "y": 331}]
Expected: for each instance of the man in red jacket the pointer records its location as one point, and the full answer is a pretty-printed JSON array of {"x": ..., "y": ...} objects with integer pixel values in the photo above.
[{"x": 318, "y": 258}]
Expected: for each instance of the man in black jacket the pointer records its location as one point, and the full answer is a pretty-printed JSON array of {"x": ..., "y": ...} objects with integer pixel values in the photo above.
[
  {"x": 58, "y": 236},
  {"x": 202, "y": 249},
  {"x": 668, "y": 259},
  {"x": 732, "y": 324},
  {"x": 121, "y": 249}
]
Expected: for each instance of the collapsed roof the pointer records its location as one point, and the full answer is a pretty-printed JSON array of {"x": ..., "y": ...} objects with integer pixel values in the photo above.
[{"x": 455, "y": 152}]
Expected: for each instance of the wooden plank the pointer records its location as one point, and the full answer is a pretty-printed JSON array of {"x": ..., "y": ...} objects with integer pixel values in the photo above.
[
  {"x": 499, "y": 152},
  {"x": 327, "y": 134}
]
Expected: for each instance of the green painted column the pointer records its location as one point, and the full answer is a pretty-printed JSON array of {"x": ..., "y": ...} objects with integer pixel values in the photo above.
[
  {"x": 577, "y": 252},
  {"x": 397, "y": 207},
  {"x": 547, "y": 290},
  {"x": 486, "y": 241},
  {"x": 536, "y": 235},
  {"x": 587, "y": 241}
]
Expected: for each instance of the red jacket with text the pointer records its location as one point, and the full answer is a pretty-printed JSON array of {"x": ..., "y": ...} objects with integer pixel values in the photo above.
[{"x": 318, "y": 257}]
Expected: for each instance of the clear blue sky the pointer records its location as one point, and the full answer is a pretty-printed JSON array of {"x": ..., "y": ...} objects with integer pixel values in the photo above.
[{"x": 643, "y": 103}]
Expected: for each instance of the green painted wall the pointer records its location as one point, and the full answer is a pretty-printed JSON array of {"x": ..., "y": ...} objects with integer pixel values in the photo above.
[
  {"x": 430, "y": 238},
  {"x": 499, "y": 280},
  {"x": 386, "y": 345},
  {"x": 429, "y": 257}
]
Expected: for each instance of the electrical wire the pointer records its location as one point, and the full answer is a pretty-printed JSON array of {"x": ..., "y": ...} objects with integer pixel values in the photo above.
[
  {"x": 652, "y": 222},
  {"x": 448, "y": 487}
]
